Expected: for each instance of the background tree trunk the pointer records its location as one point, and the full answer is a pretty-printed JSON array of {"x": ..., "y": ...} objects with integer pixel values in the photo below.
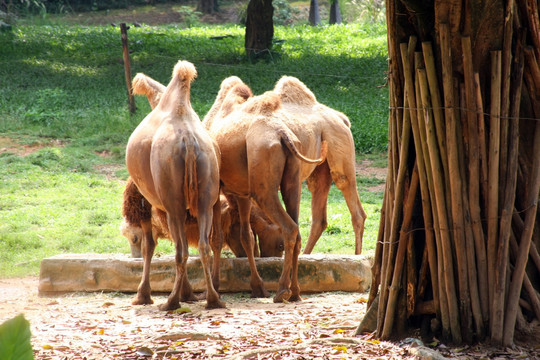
[
  {"x": 314, "y": 14},
  {"x": 464, "y": 125},
  {"x": 259, "y": 28},
  {"x": 335, "y": 13},
  {"x": 207, "y": 6}
]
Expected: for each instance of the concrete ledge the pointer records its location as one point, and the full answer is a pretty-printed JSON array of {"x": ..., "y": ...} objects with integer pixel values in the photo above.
[{"x": 118, "y": 272}]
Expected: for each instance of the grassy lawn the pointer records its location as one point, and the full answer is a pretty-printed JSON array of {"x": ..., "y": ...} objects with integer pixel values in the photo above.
[{"x": 64, "y": 122}]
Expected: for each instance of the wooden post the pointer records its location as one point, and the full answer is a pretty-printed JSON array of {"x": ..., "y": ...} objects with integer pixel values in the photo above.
[{"x": 127, "y": 67}]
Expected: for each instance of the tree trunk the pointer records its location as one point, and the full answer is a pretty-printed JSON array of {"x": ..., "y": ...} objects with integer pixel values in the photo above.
[
  {"x": 259, "y": 28},
  {"x": 335, "y": 13},
  {"x": 314, "y": 15},
  {"x": 475, "y": 145},
  {"x": 207, "y": 6}
]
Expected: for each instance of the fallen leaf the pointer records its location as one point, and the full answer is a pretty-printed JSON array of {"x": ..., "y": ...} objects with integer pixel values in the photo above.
[
  {"x": 362, "y": 300},
  {"x": 339, "y": 331},
  {"x": 339, "y": 349},
  {"x": 107, "y": 304},
  {"x": 144, "y": 351},
  {"x": 47, "y": 347},
  {"x": 182, "y": 310}
]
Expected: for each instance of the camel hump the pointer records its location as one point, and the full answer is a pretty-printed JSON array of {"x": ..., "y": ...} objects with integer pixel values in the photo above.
[
  {"x": 266, "y": 103},
  {"x": 292, "y": 90},
  {"x": 139, "y": 84},
  {"x": 185, "y": 71}
]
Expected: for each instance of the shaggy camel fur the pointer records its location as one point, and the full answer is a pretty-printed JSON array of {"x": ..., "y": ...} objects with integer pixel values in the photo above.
[
  {"x": 175, "y": 165},
  {"x": 261, "y": 156},
  {"x": 133, "y": 209}
]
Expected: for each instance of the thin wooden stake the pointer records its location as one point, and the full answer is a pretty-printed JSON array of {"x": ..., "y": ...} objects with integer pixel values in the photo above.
[{"x": 127, "y": 67}]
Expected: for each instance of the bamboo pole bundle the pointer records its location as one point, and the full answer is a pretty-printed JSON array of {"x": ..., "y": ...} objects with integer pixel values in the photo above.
[{"x": 470, "y": 180}]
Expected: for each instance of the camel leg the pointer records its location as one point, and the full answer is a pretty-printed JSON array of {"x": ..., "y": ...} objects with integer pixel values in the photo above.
[
  {"x": 216, "y": 243},
  {"x": 319, "y": 183},
  {"x": 176, "y": 229},
  {"x": 246, "y": 236},
  {"x": 346, "y": 183},
  {"x": 148, "y": 245},
  {"x": 205, "y": 224},
  {"x": 291, "y": 189}
]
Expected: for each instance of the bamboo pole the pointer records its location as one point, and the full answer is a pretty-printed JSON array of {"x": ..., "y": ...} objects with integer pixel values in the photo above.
[
  {"x": 398, "y": 200},
  {"x": 507, "y": 205},
  {"x": 493, "y": 180},
  {"x": 525, "y": 241},
  {"x": 533, "y": 68},
  {"x": 483, "y": 158},
  {"x": 478, "y": 278},
  {"x": 437, "y": 172},
  {"x": 429, "y": 203},
  {"x": 422, "y": 161},
  {"x": 404, "y": 238}
]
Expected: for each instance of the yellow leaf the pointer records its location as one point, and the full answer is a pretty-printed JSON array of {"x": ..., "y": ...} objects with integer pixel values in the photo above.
[
  {"x": 342, "y": 349},
  {"x": 298, "y": 341},
  {"x": 339, "y": 331},
  {"x": 362, "y": 300},
  {"x": 179, "y": 343},
  {"x": 101, "y": 331},
  {"x": 182, "y": 310},
  {"x": 47, "y": 347},
  {"x": 374, "y": 341},
  {"x": 126, "y": 322}
]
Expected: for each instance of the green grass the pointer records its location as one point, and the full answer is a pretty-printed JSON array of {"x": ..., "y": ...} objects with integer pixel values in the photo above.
[{"x": 63, "y": 94}]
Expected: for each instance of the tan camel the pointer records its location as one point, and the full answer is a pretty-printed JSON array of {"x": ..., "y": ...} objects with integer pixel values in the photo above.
[
  {"x": 175, "y": 165},
  {"x": 268, "y": 239},
  {"x": 313, "y": 122}
]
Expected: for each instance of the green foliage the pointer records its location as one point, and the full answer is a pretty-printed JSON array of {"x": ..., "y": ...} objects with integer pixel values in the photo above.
[
  {"x": 189, "y": 16},
  {"x": 15, "y": 339},
  {"x": 284, "y": 13}
]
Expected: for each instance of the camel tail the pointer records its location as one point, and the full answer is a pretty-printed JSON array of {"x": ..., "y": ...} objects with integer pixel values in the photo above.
[
  {"x": 286, "y": 139},
  {"x": 152, "y": 89},
  {"x": 191, "y": 190}
]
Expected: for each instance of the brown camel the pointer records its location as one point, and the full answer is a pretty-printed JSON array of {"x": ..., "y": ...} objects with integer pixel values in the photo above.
[
  {"x": 267, "y": 235},
  {"x": 175, "y": 165},
  {"x": 260, "y": 157}
]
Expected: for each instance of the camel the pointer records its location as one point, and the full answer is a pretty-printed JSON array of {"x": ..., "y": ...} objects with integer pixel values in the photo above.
[
  {"x": 267, "y": 235},
  {"x": 313, "y": 122},
  {"x": 174, "y": 163}
]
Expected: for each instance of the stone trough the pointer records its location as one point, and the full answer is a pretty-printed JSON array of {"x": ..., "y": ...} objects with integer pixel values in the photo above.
[{"x": 118, "y": 272}]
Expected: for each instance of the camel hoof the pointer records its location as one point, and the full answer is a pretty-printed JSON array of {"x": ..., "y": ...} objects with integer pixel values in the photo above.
[
  {"x": 259, "y": 293},
  {"x": 218, "y": 304},
  {"x": 282, "y": 296},
  {"x": 142, "y": 300},
  {"x": 169, "y": 307},
  {"x": 190, "y": 298},
  {"x": 295, "y": 298}
]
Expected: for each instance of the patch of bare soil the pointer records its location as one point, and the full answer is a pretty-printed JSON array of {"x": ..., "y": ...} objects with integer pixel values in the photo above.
[
  {"x": 365, "y": 168},
  {"x": 9, "y": 145},
  {"x": 106, "y": 326}
]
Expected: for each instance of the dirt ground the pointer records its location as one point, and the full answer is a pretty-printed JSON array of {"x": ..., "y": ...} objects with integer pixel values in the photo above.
[{"x": 107, "y": 326}]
